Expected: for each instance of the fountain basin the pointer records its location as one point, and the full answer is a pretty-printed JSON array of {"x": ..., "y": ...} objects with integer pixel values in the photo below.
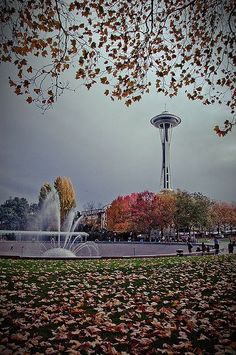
[{"x": 58, "y": 253}]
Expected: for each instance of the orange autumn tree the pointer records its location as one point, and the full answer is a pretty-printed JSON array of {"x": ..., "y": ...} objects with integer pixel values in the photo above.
[
  {"x": 118, "y": 215},
  {"x": 67, "y": 196},
  {"x": 127, "y": 46},
  {"x": 152, "y": 211},
  {"x": 223, "y": 214},
  {"x": 165, "y": 208},
  {"x": 142, "y": 212},
  {"x": 132, "y": 213},
  {"x": 232, "y": 215}
]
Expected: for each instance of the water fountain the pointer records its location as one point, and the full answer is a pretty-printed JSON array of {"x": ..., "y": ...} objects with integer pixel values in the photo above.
[
  {"x": 65, "y": 241},
  {"x": 73, "y": 242},
  {"x": 72, "y": 250}
]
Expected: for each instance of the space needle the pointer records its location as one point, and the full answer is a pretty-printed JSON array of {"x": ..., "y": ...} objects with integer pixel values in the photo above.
[{"x": 165, "y": 122}]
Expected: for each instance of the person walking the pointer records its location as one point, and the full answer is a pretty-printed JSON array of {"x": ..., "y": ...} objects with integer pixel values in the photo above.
[
  {"x": 230, "y": 247},
  {"x": 189, "y": 247},
  {"x": 203, "y": 248},
  {"x": 216, "y": 245}
]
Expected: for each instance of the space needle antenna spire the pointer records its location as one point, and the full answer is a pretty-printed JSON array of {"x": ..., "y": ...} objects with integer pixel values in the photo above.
[{"x": 165, "y": 122}]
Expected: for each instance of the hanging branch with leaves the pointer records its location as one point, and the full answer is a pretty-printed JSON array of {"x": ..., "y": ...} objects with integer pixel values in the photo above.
[{"x": 125, "y": 46}]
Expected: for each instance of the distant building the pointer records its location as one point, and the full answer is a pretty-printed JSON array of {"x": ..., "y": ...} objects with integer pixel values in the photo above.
[{"x": 96, "y": 218}]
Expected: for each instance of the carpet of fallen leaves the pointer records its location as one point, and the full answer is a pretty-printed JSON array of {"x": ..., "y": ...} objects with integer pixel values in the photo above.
[{"x": 142, "y": 306}]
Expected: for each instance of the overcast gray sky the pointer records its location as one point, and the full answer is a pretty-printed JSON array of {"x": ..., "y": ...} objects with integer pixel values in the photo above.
[{"x": 108, "y": 149}]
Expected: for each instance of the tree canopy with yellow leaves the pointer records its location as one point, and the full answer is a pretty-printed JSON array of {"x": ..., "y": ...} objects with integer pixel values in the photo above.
[
  {"x": 128, "y": 46},
  {"x": 67, "y": 197},
  {"x": 65, "y": 191}
]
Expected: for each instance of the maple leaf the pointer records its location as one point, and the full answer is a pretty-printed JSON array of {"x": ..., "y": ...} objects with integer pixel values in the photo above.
[
  {"x": 203, "y": 337},
  {"x": 80, "y": 73},
  {"x": 73, "y": 42},
  {"x": 18, "y": 90},
  {"x": 156, "y": 298},
  {"x": 29, "y": 100},
  {"x": 128, "y": 102},
  {"x": 104, "y": 80},
  {"x": 12, "y": 83}
]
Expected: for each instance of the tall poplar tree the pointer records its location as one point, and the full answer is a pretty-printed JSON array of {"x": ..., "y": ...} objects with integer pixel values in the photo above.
[
  {"x": 44, "y": 191},
  {"x": 67, "y": 196}
]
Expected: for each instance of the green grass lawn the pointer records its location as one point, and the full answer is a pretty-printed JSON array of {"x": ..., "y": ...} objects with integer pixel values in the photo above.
[{"x": 142, "y": 306}]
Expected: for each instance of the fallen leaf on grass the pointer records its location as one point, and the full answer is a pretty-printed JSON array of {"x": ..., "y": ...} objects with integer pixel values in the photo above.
[{"x": 203, "y": 337}]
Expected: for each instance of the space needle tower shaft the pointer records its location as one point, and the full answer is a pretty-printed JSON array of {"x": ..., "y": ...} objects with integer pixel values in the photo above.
[{"x": 165, "y": 122}]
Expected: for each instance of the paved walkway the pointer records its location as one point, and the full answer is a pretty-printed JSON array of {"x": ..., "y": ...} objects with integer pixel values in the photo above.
[{"x": 101, "y": 249}]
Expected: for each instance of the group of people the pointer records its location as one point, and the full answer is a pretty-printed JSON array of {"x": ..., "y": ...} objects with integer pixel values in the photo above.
[{"x": 206, "y": 248}]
